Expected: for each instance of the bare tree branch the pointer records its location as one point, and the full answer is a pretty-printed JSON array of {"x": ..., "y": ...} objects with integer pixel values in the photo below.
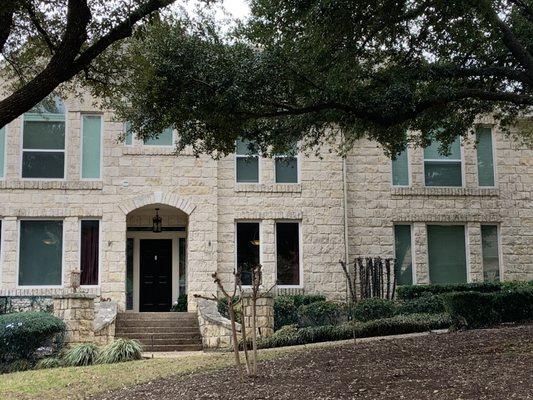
[{"x": 28, "y": 6}]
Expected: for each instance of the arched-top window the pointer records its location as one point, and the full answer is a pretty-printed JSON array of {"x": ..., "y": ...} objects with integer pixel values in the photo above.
[{"x": 43, "y": 140}]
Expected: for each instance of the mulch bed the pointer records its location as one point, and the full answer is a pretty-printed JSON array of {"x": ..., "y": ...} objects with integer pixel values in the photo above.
[{"x": 480, "y": 364}]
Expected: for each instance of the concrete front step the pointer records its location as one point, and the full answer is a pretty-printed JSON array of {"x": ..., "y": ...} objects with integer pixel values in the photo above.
[
  {"x": 144, "y": 316},
  {"x": 162, "y": 336},
  {"x": 164, "y": 348},
  {"x": 158, "y": 329},
  {"x": 162, "y": 323}
]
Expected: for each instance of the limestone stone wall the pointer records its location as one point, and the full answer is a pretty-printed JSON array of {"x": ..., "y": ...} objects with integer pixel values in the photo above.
[
  {"x": 264, "y": 312},
  {"x": 375, "y": 206},
  {"x": 77, "y": 311}
]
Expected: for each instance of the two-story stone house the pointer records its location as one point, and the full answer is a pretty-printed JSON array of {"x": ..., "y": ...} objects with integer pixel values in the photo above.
[{"x": 145, "y": 225}]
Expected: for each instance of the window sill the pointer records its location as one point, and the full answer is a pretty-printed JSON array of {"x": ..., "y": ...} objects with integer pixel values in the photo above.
[
  {"x": 268, "y": 187},
  {"x": 444, "y": 191},
  {"x": 51, "y": 185},
  {"x": 154, "y": 151}
]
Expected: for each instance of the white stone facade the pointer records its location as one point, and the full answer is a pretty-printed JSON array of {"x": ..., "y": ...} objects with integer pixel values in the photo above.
[{"x": 211, "y": 202}]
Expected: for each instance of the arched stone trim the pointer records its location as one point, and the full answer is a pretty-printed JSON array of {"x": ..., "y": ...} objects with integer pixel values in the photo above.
[{"x": 169, "y": 199}]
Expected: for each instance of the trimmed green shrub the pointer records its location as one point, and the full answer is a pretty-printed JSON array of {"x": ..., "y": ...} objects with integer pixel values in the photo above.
[
  {"x": 121, "y": 350},
  {"x": 286, "y": 307},
  {"x": 476, "y": 310},
  {"x": 21, "y": 334},
  {"x": 290, "y": 336},
  {"x": 322, "y": 313},
  {"x": 82, "y": 354},
  {"x": 49, "y": 362},
  {"x": 409, "y": 292},
  {"x": 222, "y": 306},
  {"x": 427, "y": 304},
  {"x": 375, "y": 308},
  {"x": 180, "y": 305}
]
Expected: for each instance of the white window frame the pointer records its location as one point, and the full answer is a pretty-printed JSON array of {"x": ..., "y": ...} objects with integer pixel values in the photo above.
[
  {"x": 441, "y": 161},
  {"x": 300, "y": 255},
  {"x": 413, "y": 253},
  {"x": 499, "y": 244},
  {"x": 62, "y": 255},
  {"x": 165, "y": 146},
  {"x": 99, "y": 250},
  {"x": 494, "y": 169},
  {"x": 298, "y": 168},
  {"x": 467, "y": 246},
  {"x": 3, "y": 176},
  {"x": 247, "y": 221},
  {"x": 64, "y": 151},
  {"x": 259, "y": 162},
  {"x": 82, "y": 115},
  {"x": 408, "y": 172}
]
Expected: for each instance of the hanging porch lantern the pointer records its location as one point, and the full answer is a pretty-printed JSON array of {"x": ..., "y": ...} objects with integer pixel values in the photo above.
[{"x": 157, "y": 225}]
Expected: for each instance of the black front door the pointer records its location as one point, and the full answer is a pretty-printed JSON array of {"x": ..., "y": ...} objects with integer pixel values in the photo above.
[{"x": 155, "y": 275}]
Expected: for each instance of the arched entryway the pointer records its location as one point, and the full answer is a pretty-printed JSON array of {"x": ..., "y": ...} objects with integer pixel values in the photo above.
[{"x": 156, "y": 257}]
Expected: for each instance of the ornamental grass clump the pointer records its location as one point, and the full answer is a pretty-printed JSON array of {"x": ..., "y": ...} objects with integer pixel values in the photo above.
[
  {"x": 82, "y": 354},
  {"x": 121, "y": 350},
  {"x": 49, "y": 362}
]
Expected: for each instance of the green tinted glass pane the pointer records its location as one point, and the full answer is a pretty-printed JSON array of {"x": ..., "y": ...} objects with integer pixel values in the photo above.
[
  {"x": 447, "y": 254},
  {"x": 182, "y": 266},
  {"x": 288, "y": 253},
  {"x": 242, "y": 148},
  {"x": 43, "y": 164},
  {"x": 432, "y": 151},
  {"x": 403, "y": 252},
  {"x": 286, "y": 170},
  {"x": 485, "y": 162},
  {"x": 90, "y": 168},
  {"x": 129, "y": 274},
  {"x": 44, "y": 135},
  {"x": 52, "y": 104},
  {"x": 248, "y": 169},
  {"x": 164, "y": 139},
  {"x": 41, "y": 253},
  {"x": 443, "y": 173},
  {"x": 128, "y": 137},
  {"x": 489, "y": 245},
  {"x": 400, "y": 170},
  {"x": 2, "y": 150},
  {"x": 248, "y": 244}
]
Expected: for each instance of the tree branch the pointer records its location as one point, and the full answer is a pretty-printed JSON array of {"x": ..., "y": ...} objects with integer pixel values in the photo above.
[
  {"x": 35, "y": 20},
  {"x": 6, "y": 20}
]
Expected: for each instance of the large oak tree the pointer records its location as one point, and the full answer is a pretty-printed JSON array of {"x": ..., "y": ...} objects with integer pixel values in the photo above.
[
  {"x": 44, "y": 43},
  {"x": 303, "y": 70}
]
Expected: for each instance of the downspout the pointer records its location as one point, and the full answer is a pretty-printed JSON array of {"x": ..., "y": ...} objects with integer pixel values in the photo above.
[{"x": 345, "y": 207}]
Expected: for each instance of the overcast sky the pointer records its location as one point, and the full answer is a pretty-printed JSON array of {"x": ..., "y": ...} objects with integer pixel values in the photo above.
[{"x": 236, "y": 8}]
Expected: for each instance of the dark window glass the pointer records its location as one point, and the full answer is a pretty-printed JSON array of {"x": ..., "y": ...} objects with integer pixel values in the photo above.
[
  {"x": 183, "y": 266},
  {"x": 286, "y": 169},
  {"x": 248, "y": 244},
  {"x": 41, "y": 253},
  {"x": 129, "y": 274},
  {"x": 288, "y": 253},
  {"x": 447, "y": 254},
  {"x": 491, "y": 258},
  {"x": 90, "y": 252},
  {"x": 43, "y": 164},
  {"x": 403, "y": 254}
]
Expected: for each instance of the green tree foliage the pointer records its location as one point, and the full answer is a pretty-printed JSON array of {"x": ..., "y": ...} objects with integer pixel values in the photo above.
[{"x": 303, "y": 70}]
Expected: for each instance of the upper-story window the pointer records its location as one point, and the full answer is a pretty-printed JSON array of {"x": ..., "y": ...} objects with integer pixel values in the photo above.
[
  {"x": 443, "y": 170},
  {"x": 485, "y": 157},
  {"x": 165, "y": 138},
  {"x": 91, "y": 148},
  {"x": 246, "y": 162},
  {"x": 286, "y": 168},
  {"x": 400, "y": 169},
  {"x": 43, "y": 142}
]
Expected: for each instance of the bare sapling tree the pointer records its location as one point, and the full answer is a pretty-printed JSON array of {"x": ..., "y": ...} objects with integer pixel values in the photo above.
[{"x": 232, "y": 304}]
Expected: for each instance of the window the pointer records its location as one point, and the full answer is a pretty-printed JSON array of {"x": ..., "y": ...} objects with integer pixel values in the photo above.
[
  {"x": 41, "y": 253},
  {"x": 443, "y": 170},
  {"x": 489, "y": 249},
  {"x": 91, "y": 157},
  {"x": 128, "y": 134},
  {"x": 43, "y": 142},
  {"x": 288, "y": 253},
  {"x": 90, "y": 252},
  {"x": 165, "y": 138},
  {"x": 2, "y": 150},
  {"x": 286, "y": 169},
  {"x": 182, "y": 266},
  {"x": 248, "y": 249},
  {"x": 400, "y": 169},
  {"x": 247, "y": 163},
  {"x": 485, "y": 159},
  {"x": 403, "y": 254},
  {"x": 129, "y": 274},
  {"x": 446, "y": 254}
]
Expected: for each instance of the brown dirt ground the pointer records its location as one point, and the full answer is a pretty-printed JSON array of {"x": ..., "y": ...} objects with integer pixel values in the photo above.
[{"x": 482, "y": 364}]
